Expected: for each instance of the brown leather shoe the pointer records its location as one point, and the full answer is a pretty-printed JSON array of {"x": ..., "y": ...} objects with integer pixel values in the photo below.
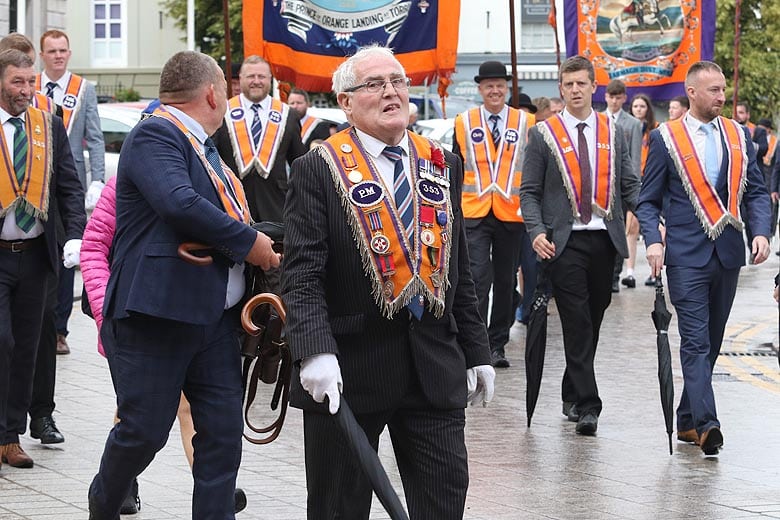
[
  {"x": 62, "y": 345},
  {"x": 688, "y": 436},
  {"x": 711, "y": 441},
  {"x": 14, "y": 455}
]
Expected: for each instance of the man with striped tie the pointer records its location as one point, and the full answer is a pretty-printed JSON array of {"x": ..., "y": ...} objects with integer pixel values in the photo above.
[
  {"x": 380, "y": 302},
  {"x": 39, "y": 178}
]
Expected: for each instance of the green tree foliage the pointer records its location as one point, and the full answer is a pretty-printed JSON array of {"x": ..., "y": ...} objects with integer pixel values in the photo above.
[
  {"x": 759, "y": 54},
  {"x": 210, "y": 27}
]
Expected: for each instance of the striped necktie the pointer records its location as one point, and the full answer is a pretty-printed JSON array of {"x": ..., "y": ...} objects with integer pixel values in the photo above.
[
  {"x": 257, "y": 126},
  {"x": 405, "y": 207},
  {"x": 24, "y": 220},
  {"x": 495, "y": 133},
  {"x": 50, "y": 86}
]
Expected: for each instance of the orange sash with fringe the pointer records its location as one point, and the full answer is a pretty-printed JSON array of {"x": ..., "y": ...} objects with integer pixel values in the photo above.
[
  {"x": 561, "y": 145},
  {"x": 245, "y": 152},
  {"x": 308, "y": 126},
  {"x": 230, "y": 190},
  {"x": 399, "y": 269},
  {"x": 713, "y": 215},
  {"x": 34, "y": 190},
  {"x": 43, "y": 102}
]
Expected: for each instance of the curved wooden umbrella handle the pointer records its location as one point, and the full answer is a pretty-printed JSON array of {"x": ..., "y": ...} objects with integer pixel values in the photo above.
[
  {"x": 185, "y": 253},
  {"x": 256, "y": 301}
]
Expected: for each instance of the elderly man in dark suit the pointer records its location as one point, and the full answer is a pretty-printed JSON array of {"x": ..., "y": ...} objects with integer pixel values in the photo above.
[
  {"x": 171, "y": 326},
  {"x": 700, "y": 169},
  {"x": 40, "y": 180},
  {"x": 380, "y": 301},
  {"x": 577, "y": 178}
]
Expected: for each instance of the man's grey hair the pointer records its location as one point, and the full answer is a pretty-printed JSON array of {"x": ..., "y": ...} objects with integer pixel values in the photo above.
[
  {"x": 15, "y": 58},
  {"x": 344, "y": 76},
  {"x": 185, "y": 73}
]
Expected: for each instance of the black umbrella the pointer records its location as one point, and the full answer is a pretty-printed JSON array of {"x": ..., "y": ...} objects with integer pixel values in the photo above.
[
  {"x": 368, "y": 460},
  {"x": 661, "y": 318},
  {"x": 536, "y": 339}
]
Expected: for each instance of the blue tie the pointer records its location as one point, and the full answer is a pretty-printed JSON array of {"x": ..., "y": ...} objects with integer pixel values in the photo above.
[
  {"x": 711, "y": 163},
  {"x": 405, "y": 207},
  {"x": 495, "y": 133},
  {"x": 257, "y": 126},
  {"x": 24, "y": 219},
  {"x": 50, "y": 86}
]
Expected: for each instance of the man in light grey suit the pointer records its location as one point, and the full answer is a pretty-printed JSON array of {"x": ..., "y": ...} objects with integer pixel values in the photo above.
[
  {"x": 577, "y": 178},
  {"x": 78, "y": 100},
  {"x": 632, "y": 131}
]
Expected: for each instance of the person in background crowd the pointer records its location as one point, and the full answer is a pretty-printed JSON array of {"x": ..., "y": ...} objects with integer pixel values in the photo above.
[
  {"x": 311, "y": 127},
  {"x": 385, "y": 337},
  {"x": 78, "y": 100},
  {"x": 678, "y": 106},
  {"x": 490, "y": 139},
  {"x": 703, "y": 249},
  {"x": 577, "y": 176},
  {"x": 632, "y": 131},
  {"x": 33, "y": 188},
  {"x": 542, "y": 108},
  {"x": 556, "y": 105},
  {"x": 642, "y": 109}
]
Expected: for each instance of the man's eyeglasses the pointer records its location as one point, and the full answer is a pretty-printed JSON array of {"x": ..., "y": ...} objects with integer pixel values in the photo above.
[{"x": 376, "y": 85}]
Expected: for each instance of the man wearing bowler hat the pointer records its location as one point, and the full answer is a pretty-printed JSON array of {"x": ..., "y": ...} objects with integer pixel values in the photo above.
[{"x": 490, "y": 139}]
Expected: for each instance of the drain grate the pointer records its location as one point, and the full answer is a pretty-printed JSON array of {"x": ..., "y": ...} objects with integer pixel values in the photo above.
[
  {"x": 723, "y": 377},
  {"x": 749, "y": 353}
]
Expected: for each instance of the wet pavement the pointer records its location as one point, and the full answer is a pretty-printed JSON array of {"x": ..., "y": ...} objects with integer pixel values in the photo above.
[{"x": 542, "y": 472}]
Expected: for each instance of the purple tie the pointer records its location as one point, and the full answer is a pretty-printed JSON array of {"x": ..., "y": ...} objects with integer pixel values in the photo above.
[{"x": 586, "y": 189}]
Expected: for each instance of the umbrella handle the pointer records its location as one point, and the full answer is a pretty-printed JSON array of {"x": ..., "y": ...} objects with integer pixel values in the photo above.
[
  {"x": 185, "y": 253},
  {"x": 256, "y": 301}
]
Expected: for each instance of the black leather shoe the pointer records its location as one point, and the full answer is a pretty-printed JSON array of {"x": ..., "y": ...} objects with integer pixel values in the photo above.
[
  {"x": 573, "y": 415},
  {"x": 588, "y": 424},
  {"x": 132, "y": 503},
  {"x": 500, "y": 360},
  {"x": 615, "y": 286},
  {"x": 629, "y": 281},
  {"x": 567, "y": 405},
  {"x": 650, "y": 282},
  {"x": 711, "y": 441},
  {"x": 45, "y": 430},
  {"x": 240, "y": 499}
]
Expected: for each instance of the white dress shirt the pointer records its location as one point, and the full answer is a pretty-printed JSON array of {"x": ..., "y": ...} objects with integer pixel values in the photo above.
[{"x": 386, "y": 167}]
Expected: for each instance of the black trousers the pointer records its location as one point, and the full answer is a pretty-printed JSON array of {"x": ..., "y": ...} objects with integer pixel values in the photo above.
[
  {"x": 23, "y": 277},
  {"x": 65, "y": 298},
  {"x": 581, "y": 281},
  {"x": 45, "y": 377},
  {"x": 494, "y": 253},
  {"x": 430, "y": 452}
]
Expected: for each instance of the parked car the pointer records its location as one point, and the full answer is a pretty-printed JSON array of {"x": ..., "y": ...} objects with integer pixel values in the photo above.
[
  {"x": 116, "y": 121},
  {"x": 453, "y": 105},
  {"x": 442, "y": 130}
]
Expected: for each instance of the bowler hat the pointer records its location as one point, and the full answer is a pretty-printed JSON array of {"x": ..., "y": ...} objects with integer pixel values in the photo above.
[
  {"x": 490, "y": 70},
  {"x": 765, "y": 122},
  {"x": 525, "y": 101}
]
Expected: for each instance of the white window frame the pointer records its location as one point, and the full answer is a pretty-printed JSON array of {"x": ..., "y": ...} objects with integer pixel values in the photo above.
[{"x": 116, "y": 61}]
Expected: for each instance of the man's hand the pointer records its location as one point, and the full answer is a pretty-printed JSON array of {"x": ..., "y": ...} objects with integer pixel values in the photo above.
[
  {"x": 543, "y": 247},
  {"x": 775, "y": 196},
  {"x": 93, "y": 194},
  {"x": 481, "y": 384},
  {"x": 321, "y": 376},
  {"x": 760, "y": 249},
  {"x": 655, "y": 258},
  {"x": 262, "y": 254},
  {"x": 70, "y": 253}
]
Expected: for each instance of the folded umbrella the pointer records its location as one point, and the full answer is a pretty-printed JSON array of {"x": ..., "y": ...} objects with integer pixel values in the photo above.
[
  {"x": 661, "y": 319},
  {"x": 536, "y": 339}
]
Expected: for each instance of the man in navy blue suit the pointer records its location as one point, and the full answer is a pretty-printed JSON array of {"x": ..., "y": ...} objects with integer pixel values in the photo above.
[
  {"x": 171, "y": 326},
  {"x": 699, "y": 171}
]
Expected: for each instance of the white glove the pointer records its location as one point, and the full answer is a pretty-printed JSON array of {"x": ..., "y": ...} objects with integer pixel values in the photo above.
[
  {"x": 481, "y": 383},
  {"x": 321, "y": 376},
  {"x": 70, "y": 253},
  {"x": 93, "y": 194}
]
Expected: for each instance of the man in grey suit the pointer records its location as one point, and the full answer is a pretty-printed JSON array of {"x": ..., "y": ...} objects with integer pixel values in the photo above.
[
  {"x": 632, "y": 131},
  {"x": 78, "y": 100},
  {"x": 380, "y": 302},
  {"x": 577, "y": 177}
]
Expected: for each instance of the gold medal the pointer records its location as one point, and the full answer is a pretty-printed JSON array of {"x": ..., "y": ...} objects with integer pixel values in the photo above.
[
  {"x": 354, "y": 176},
  {"x": 427, "y": 237},
  {"x": 387, "y": 289}
]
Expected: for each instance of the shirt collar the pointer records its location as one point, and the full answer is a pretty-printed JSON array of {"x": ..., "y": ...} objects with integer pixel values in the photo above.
[
  {"x": 375, "y": 147},
  {"x": 189, "y": 123},
  {"x": 571, "y": 122},
  {"x": 5, "y": 116},
  {"x": 265, "y": 104},
  {"x": 502, "y": 115},
  {"x": 694, "y": 124},
  {"x": 62, "y": 82}
]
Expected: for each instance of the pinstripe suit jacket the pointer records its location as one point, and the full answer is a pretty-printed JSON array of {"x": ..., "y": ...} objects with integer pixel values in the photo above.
[{"x": 330, "y": 307}]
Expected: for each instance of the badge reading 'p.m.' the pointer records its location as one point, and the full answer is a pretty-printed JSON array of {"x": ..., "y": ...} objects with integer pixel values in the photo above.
[{"x": 367, "y": 193}]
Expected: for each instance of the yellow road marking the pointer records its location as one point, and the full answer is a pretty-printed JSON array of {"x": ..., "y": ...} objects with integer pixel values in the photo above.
[{"x": 743, "y": 375}]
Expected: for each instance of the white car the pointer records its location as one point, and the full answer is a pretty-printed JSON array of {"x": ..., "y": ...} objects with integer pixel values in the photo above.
[
  {"x": 116, "y": 121},
  {"x": 442, "y": 130}
]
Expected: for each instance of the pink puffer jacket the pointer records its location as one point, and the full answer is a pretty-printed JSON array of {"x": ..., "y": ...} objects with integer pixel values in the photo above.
[{"x": 95, "y": 248}]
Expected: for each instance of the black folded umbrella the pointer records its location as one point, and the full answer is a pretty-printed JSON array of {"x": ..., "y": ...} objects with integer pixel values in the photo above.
[
  {"x": 536, "y": 339},
  {"x": 661, "y": 319},
  {"x": 369, "y": 462}
]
